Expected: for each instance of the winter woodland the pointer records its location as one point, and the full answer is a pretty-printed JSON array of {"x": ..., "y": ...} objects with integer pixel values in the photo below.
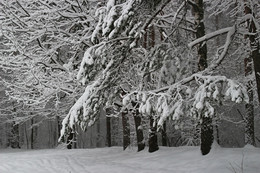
[{"x": 129, "y": 73}]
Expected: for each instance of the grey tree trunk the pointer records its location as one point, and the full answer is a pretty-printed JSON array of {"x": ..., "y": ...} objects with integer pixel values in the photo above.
[
  {"x": 153, "y": 141},
  {"x": 15, "y": 136},
  {"x": 33, "y": 131},
  {"x": 164, "y": 135},
  {"x": 138, "y": 128},
  {"x": 71, "y": 141},
  {"x": 108, "y": 123},
  {"x": 126, "y": 129},
  {"x": 206, "y": 125},
  {"x": 255, "y": 58}
]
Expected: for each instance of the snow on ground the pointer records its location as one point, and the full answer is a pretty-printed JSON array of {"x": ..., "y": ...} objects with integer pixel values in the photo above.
[{"x": 114, "y": 160}]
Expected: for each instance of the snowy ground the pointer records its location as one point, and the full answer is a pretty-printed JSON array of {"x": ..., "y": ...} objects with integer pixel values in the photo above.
[{"x": 114, "y": 160}]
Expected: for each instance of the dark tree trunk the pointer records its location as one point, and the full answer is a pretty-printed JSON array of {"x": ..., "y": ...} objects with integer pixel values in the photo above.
[
  {"x": 71, "y": 141},
  {"x": 139, "y": 131},
  {"x": 59, "y": 125},
  {"x": 206, "y": 135},
  {"x": 255, "y": 58},
  {"x": 98, "y": 134},
  {"x": 218, "y": 43},
  {"x": 26, "y": 136},
  {"x": 249, "y": 120},
  {"x": 15, "y": 141},
  {"x": 153, "y": 142},
  {"x": 164, "y": 135},
  {"x": 138, "y": 127},
  {"x": 217, "y": 133},
  {"x": 32, "y": 134},
  {"x": 126, "y": 129},
  {"x": 58, "y": 129},
  {"x": 15, "y": 136},
  {"x": 108, "y": 122},
  {"x": 206, "y": 125}
]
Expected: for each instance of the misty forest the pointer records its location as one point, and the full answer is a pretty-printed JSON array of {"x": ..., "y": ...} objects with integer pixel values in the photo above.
[{"x": 130, "y": 86}]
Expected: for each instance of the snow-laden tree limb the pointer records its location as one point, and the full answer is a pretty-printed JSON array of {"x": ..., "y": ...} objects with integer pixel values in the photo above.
[
  {"x": 194, "y": 101},
  {"x": 210, "y": 35}
]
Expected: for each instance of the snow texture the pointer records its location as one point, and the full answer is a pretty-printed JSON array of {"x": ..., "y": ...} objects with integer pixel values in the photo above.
[{"x": 115, "y": 160}]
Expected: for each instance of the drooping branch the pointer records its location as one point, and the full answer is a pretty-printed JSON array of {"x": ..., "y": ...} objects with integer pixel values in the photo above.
[{"x": 210, "y": 36}]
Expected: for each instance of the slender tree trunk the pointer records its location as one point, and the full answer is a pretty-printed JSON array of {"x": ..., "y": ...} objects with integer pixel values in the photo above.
[
  {"x": 153, "y": 141},
  {"x": 71, "y": 141},
  {"x": 98, "y": 134},
  {"x": 15, "y": 139},
  {"x": 26, "y": 136},
  {"x": 217, "y": 120},
  {"x": 249, "y": 118},
  {"x": 32, "y": 134},
  {"x": 217, "y": 131},
  {"x": 126, "y": 129},
  {"x": 58, "y": 129},
  {"x": 15, "y": 136},
  {"x": 164, "y": 135},
  {"x": 206, "y": 125},
  {"x": 138, "y": 128},
  {"x": 255, "y": 58},
  {"x": 108, "y": 122},
  {"x": 139, "y": 132}
]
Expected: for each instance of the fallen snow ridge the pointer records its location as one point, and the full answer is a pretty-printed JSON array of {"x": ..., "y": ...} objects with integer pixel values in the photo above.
[{"x": 114, "y": 160}]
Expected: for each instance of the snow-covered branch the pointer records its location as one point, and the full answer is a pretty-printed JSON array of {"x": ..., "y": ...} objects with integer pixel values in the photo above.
[{"x": 210, "y": 36}]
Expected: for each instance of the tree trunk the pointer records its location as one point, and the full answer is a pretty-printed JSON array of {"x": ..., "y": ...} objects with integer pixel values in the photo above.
[
  {"x": 15, "y": 136},
  {"x": 218, "y": 43},
  {"x": 126, "y": 129},
  {"x": 32, "y": 134},
  {"x": 164, "y": 136},
  {"x": 206, "y": 135},
  {"x": 57, "y": 129},
  {"x": 206, "y": 125},
  {"x": 138, "y": 127},
  {"x": 26, "y": 135},
  {"x": 153, "y": 142},
  {"x": 217, "y": 132},
  {"x": 108, "y": 122},
  {"x": 255, "y": 58},
  {"x": 139, "y": 132},
  {"x": 71, "y": 141}
]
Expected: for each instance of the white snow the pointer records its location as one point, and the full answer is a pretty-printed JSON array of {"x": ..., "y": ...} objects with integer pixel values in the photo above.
[{"x": 114, "y": 160}]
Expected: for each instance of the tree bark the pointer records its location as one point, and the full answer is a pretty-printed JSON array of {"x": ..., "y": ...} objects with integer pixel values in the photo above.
[
  {"x": 255, "y": 58},
  {"x": 108, "y": 122},
  {"x": 206, "y": 125},
  {"x": 206, "y": 135},
  {"x": 126, "y": 129},
  {"x": 71, "y": 141},
  {"x": 15, "y": 139},
  {"x": 15, "y": 136},
  {"x": 153, "y": 141},
  {"x": 32, "y": 134},
  {"x": 164, "y": 135},
  {"x": 138, "y": 128}
]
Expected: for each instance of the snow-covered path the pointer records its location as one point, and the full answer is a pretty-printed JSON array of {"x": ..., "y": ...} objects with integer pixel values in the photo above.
[{"x": 114, "y": 160}]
